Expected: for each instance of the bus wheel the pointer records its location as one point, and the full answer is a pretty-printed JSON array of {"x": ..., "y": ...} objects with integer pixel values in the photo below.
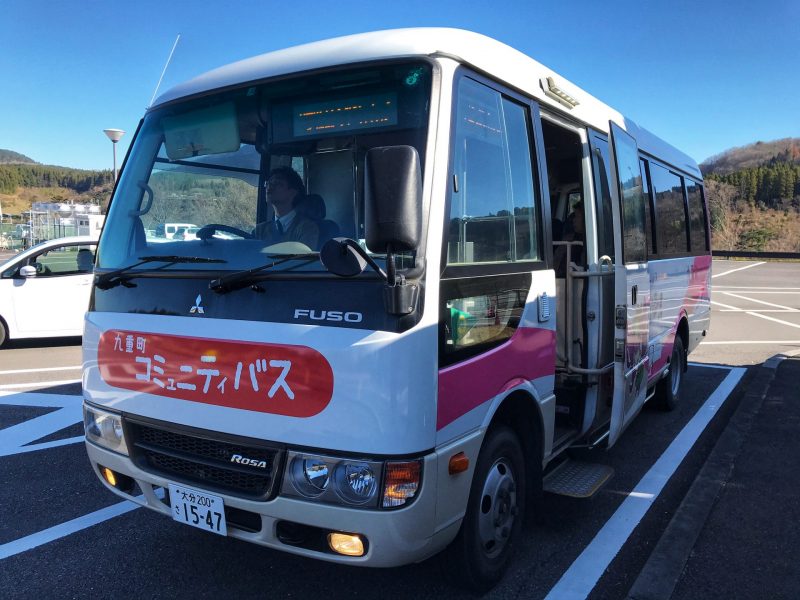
[
  {"x": 481, "y": 552},
  {"x": 669, "y": 388}
]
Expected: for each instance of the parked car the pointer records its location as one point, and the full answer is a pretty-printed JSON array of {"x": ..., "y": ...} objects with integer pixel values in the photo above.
[
  {"x": 186, "y": 233},
  {"x": 168, "y": 230},
  {"x": 44, "y": 291}
]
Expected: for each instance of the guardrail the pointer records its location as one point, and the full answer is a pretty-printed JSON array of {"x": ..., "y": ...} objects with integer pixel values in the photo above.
[{"x": 756, "y": 255}]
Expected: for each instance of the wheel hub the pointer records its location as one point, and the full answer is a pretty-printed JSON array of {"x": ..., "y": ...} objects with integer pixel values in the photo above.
[{"x": 498, "y": 508}]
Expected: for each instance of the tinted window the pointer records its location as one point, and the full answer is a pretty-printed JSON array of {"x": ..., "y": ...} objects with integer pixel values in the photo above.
[
  {"x": 492, "y": 206},
  {"x": 605, "y": 233},
  {"x": 648, "y": 209},
  {"x": 697, "y": 220},
  {"x": 631, "y": 198},
  {"x": 670, "y": 211}
]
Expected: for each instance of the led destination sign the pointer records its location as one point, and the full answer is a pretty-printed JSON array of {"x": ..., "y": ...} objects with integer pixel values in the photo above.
[{"x": 346, "y": 114}]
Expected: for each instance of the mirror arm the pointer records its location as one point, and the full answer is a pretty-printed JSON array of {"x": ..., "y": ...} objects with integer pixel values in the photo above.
[{"x": 362, "y": 253}]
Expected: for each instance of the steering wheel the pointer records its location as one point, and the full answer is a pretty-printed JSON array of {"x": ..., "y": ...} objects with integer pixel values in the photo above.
[{"x": 208, "y": 231}]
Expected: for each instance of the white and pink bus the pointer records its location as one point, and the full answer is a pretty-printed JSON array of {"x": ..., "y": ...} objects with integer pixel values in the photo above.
[{"x": 425, "y": 266}]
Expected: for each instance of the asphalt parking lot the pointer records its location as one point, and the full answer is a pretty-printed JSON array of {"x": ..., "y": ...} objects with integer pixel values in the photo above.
[{"x": 64, "y": 535}]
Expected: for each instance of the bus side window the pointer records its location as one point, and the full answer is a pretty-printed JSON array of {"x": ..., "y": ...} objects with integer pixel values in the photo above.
[
  {"x": 697, "y": 221},
  {"x": 493, "y": 210},
  {"x": 649, "y": 219},
  {"x": 670, "y": 212}
]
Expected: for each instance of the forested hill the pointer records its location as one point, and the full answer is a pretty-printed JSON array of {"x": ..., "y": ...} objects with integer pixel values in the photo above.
[
  {"x": 9, "y": 157},
  {"x": 764, "y": 174},
  {"x": 754, "y": 196},
  {"x": 13, "y": 176},
  {"x": 753, "y": 155}
]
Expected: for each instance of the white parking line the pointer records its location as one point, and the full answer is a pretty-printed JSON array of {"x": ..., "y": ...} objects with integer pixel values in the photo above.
[
  {"x": 759, "y": 310},
  {"x": 16, "y": 371},
  {"x": 739, "y": 269},
  {"x": 53, "y": 533},
  {"x": 789, "y": 308},
  {"x": 737, "y": 342},
  {"x": 748, "y": 288},
  {"x": 39, "y": 384},
  {"x": 19, "y": 438},
  {"x": 787, "y": 323},
  {"x": 582, "y": 576},
  {"x": 728, "y": 306}
]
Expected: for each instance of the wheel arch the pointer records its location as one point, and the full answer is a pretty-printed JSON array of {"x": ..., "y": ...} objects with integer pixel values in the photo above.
[
  {"x": 4, "y": 327},
  {"x": 521, "y": 412},
  {"x": 683, "y": 333}
]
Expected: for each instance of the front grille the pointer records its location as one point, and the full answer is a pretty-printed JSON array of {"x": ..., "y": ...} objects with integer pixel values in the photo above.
[{"x": 199, "y": 458}]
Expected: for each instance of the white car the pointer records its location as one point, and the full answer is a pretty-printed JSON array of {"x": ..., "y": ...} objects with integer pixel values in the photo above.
[{"x": 44, "y": 291}]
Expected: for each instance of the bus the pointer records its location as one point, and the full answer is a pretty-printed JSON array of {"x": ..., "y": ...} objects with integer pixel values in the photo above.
[{"x": 502, "y": 268}]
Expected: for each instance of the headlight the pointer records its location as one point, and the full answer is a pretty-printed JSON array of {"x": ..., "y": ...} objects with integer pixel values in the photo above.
[
  {"x": 352, "y": 482},
  {"x": 332, "y": 479},
  {"x": 356, "y": 483},
  {"x": 104, "y": 429},
  {"x": 310, "y": 476}
]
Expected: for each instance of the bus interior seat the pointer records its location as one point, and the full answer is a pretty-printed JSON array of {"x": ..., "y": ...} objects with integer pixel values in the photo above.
[
  {"x": 330, "y": 175},
  {"x": 313, "y": 207}
]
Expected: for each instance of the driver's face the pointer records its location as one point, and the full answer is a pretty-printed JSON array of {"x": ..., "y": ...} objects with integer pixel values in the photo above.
[{"x": 280, "y": 195}]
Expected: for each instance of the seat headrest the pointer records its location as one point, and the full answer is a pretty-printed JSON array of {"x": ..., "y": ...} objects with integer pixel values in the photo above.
[{"x": 312, "y": 206}]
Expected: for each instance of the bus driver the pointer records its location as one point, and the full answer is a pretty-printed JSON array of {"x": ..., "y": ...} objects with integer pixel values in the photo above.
[{"x": 284, "y": 190}]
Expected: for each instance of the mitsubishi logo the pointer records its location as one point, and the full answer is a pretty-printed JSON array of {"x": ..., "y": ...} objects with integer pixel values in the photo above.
[{"x": 197, "y": 308}]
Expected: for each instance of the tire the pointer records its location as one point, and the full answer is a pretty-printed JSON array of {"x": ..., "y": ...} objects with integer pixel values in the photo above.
[
  {"x": 484, "y": 546},
  {"x": 3, "y": 333},
  {"x": 668, "y": 390}
]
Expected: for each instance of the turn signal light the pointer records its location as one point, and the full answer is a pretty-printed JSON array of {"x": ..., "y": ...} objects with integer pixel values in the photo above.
[
  {"x": 458, "y": 463},
  {"x": 401, "y": 483},
  {"x": 349, "y": 544}
]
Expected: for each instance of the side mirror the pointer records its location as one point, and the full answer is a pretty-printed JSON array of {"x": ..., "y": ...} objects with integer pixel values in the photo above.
[
  {"x": 393, "y": 199},
  {"x": 27, "y": 271},
  {"x": 343, "y": 257}
]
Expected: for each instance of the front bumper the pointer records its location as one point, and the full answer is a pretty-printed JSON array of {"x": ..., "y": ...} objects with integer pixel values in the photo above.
[{"x": 395, "y": 537}]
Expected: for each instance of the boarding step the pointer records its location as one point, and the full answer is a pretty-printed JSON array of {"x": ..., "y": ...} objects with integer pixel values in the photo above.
[{"x": 577, "y": 479}]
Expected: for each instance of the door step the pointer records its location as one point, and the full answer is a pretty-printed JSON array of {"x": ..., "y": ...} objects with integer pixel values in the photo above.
[{"x": 577, "y": 479}]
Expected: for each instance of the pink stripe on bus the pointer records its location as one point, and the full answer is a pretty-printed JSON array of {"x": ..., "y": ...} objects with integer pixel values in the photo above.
[{"x": 528, "y": 355}]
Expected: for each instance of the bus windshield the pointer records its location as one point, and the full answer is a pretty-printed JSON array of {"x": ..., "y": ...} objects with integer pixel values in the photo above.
[{"x": 208, "y": 177}]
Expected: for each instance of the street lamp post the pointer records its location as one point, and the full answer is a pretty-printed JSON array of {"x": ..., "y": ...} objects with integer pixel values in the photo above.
[{"x": 114, "y": 135}]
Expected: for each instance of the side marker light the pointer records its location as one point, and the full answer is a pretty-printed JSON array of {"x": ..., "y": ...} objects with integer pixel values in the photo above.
[{"x": 458, "y": 463}]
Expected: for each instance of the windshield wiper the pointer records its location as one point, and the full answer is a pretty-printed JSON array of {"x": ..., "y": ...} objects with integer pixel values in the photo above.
[
  {"x": 242, "y": 279},
  {"x": 106, "y": 281}
]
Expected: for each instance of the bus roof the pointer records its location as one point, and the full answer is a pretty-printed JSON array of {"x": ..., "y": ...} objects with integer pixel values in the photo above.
[{"x": 485, "y": 54}]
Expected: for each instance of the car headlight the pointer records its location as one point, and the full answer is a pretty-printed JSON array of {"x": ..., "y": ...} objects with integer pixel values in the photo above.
[
  {"x": 104, "y": 429},
  {"x": 352, "y": 482},
  {"x": 356, "y": 482},
  {"x": 310, "y": 476}
]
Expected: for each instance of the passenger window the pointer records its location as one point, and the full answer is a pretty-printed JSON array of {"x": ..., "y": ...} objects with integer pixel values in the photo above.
[
  {"x": 493, "y": 208},
  {"x": 697, "y": 221},
  {"x": 670, "y": 211},
  {"x": 648, "y": 209},
  {"x": 631, "y": 198},
  {"x": 64, "y": 260}
]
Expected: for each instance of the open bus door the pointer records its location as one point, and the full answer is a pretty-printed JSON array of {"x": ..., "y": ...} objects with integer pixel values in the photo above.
[{"x": 631, "y": 283}]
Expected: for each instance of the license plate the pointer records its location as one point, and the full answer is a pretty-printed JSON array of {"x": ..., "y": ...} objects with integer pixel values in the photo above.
[{"x": 198, "y": 509}]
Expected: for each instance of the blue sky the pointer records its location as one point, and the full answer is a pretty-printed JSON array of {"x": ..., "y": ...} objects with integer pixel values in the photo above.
[{"x": 706, "y": 76}]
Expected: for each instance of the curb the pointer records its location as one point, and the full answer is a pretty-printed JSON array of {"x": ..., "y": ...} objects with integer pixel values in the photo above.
[{"x": 664, "y": 567}]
